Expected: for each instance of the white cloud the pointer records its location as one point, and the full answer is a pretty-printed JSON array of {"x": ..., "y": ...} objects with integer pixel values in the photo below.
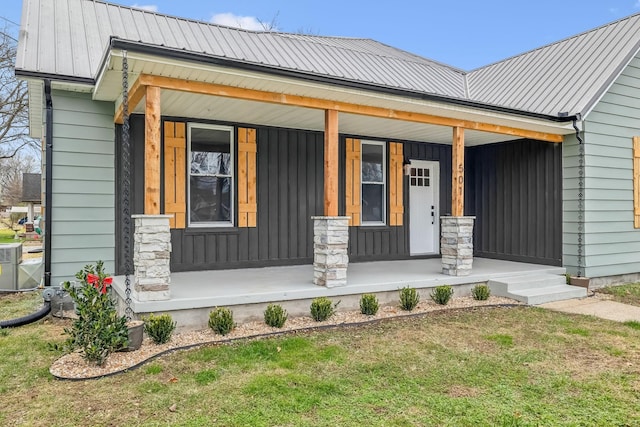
[
  {"x": 147, "y": 7},
  {"x": 244, "y": 22},
  {"x": 637, "y": 5}
]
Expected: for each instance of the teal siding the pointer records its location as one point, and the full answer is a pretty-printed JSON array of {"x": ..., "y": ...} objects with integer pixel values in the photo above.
[
  {"x": 611, "y": 243},
  {"x": 83, "y": 202},
  {"x": 570, "y": 202}
]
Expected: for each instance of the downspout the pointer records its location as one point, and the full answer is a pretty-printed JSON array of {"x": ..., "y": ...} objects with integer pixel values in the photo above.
[
  {"x": 580, "y": 246},
  {"x": 48, "y": 181}
]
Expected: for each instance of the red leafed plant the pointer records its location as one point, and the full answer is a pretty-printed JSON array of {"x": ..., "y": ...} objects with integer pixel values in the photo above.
[
  {"x": 99, "y": 330},
  {"x": 99, "y": 282}
]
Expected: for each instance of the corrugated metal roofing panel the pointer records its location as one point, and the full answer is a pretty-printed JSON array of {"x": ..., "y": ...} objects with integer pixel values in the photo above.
[
  {"x": 177, "y": 37},
  {"x": 62, "y": 38},
  {"x": 78, "y": 41},
  {"x": 95, "y": 45},
  {"x": 69, "y": 37},
  {"x": 358, "y": 60},
  {"x": 565, "y": 76},
  {"x": 116, "y": 23},
  {"x": 45, "y": 40}
]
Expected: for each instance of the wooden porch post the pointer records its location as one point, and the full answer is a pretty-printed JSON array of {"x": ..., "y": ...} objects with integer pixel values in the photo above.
[
  {"x": 152, "y": 151},
  {"x": 457, "y": 168},
  {"x": 331, "y": 163},
  {"x": 152, "y": 270},
  {"x": 456, "y": 231},
  {"x": 330, "y": 232}
]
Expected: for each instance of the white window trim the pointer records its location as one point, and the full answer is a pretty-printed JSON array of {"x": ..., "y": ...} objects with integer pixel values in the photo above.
[
  {"x": 229, "y": 129},
  {"x": 384, "y": 183}
]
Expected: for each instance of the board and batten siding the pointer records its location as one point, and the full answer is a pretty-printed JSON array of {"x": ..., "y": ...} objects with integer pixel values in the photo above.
[
  {"x": 289, "y": 192},
  {"x": 83, "y": 188},
  {"x": 611, "y": 243},
  {"x": 514, "y": 191},
  {"x": 389, "y": 242}
]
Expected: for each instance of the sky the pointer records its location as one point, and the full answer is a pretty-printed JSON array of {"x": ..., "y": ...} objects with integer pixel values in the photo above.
[{"x": 466, "y": 34}]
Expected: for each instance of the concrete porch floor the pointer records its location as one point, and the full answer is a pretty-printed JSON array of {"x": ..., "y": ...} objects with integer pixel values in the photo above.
[{"x": 247, "y": 291}]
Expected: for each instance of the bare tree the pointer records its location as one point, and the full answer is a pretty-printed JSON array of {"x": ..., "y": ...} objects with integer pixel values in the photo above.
[
  {"x": 274, "y": 26},
  {"x": 12, "y": 191},
  {"x": 271, "y": 26},
  {"x": 14, "y": 124}
]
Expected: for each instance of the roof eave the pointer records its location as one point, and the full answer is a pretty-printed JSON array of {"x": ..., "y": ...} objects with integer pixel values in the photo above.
[
  {"x": 118, "y": 43},
  {"x": 590, "y": 105},
  {"x": 27, "y": 74}
]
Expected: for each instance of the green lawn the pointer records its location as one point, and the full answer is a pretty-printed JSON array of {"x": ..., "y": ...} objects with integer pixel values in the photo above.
[
  {"x": 6, "y": 235},
  {"x": 628, "y": 294},
  {"x": 19, "y": 304},
  {"x": 507, "y": 367}
]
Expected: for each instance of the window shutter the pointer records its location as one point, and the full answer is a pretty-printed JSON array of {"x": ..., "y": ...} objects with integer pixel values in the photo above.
[
  {"x": 352, "y": 181},
  {"x": 247, "y": 201},
  {"x": 175, "y": 173},
  {"x": 396, "y": 203},
  {"x": 636, "y": 181}
]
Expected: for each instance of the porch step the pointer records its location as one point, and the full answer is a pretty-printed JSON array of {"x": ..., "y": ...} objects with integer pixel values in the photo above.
[{"x": 536, "y": 289}]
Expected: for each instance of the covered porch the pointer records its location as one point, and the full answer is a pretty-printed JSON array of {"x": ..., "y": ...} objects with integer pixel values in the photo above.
[
  {"x": 172, "y": 93},
  {"x": 248, "y": 291}
]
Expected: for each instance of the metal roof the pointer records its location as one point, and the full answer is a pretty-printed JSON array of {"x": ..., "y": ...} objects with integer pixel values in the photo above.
[
  {"x": 69, "y": 38},
  {"x": 567, "y": 76}
]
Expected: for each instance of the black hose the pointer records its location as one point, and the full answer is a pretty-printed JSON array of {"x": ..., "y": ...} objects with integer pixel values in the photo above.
[{"x": 30, "y": 318}]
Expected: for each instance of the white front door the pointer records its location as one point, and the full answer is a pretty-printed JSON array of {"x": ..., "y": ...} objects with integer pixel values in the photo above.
[{"x": 424, "y": 217}]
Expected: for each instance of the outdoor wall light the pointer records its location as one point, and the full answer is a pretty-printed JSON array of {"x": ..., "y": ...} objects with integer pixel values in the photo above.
[{"x": 406, "y": 166}]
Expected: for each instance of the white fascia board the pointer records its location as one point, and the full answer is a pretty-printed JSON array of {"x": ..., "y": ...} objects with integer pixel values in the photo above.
[
  {"x": 106, "y": 65},
  {"x": 72, "y": 87}
]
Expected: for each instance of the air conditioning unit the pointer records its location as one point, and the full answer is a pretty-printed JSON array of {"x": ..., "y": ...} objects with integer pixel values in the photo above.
[
  {"x": 10, "y": 259},
  {"x": 30, "y": 272}
]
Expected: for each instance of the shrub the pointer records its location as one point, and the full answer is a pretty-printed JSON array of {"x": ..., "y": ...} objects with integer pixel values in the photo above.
[
  {"x": 409, "y": 298},
  {"x": 368, "y": 304},
  {"x": 442, "y": 294},
  {"x": 481, "y": 292},
  {"x": 275, "y": 316},
  {"x": 322, "y": 308},
  {"x": 159, "y": 328},
  {"x": 221, "y": 320},
  {"x": 98, "y": 330}
]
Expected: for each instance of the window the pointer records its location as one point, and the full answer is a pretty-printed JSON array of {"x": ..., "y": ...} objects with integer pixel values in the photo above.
[
  {"x": 420, "y": 177},
  {"x": 373, "y": 183},
  {"x": 210, "y": 175}
]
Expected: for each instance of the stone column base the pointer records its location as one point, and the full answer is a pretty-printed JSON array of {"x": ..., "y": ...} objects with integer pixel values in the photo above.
[
  {"x": 330, "y": 250},
  {"x": 151, "y": 257},
  {"x": 456, "y": 245}
]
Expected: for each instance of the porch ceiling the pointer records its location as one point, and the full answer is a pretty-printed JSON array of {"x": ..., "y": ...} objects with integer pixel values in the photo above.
[
  {"x": 207, "y": 107},
  {"x": 180, "y": 104}
]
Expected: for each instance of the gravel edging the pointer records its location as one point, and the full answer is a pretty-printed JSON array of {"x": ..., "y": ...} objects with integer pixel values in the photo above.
[{"x": 71, "y": 367}]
